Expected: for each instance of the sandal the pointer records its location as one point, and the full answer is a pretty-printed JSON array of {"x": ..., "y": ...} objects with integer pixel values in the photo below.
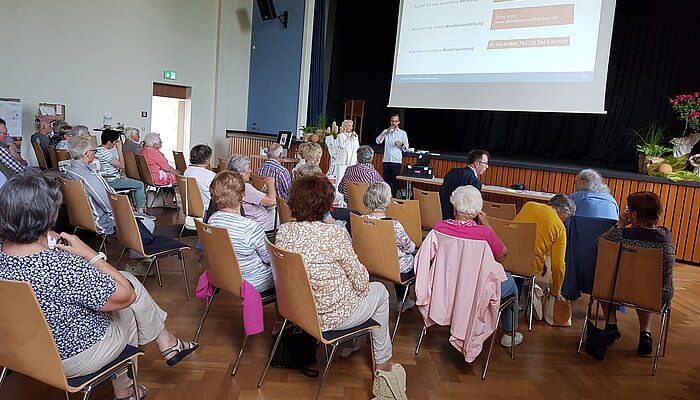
[
  {"x": 181, "y": 351},
  {"x": 142, "y": 391}
]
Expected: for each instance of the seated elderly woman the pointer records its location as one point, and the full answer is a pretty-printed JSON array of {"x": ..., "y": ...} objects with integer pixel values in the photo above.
[
  {"x": 637, "y": 227},
  {"x": 200, "y": 158},
  {"x": 92, "y": 309},
  {"x": 467, "y": 204},
  {"x": 376, "y": 200},
  {"x": 60, "y": 136},
  {"x": 308, "y": 170},
  {"x": 344, "y": 295},
  {"x": 592, "y": 196},
  {"x": 255, "y": 202},
  {"x": 247, "y": 236},
  {"x": 161, "y": 171},
  {"x": 310, "y": 153}
]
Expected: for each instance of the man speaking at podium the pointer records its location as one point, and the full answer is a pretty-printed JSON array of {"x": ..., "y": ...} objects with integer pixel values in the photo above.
[{"x": 395, "y": 143}]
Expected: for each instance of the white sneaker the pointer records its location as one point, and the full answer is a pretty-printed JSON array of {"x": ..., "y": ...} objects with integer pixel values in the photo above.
[
  {"x": 346, "y": 351},
  {"x": 507, "y": 340},
  {"x": 407, "y": 305}
]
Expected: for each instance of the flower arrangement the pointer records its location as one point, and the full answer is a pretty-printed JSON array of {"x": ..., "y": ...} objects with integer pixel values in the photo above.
[
  {"x": 687, "y": 107},
  {"x": 694, "y": 160}
]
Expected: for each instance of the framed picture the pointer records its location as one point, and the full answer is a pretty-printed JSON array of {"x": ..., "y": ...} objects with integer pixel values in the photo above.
[{"x": 284, "y": 138}]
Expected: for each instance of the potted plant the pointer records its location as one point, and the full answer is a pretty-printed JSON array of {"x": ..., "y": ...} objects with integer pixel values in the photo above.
[
  {"x": 687, "y": 108},
  {"x": 649, "y": 146},
  {"x": 695, "y": 162},
  {"x": 316, "y": 133}
]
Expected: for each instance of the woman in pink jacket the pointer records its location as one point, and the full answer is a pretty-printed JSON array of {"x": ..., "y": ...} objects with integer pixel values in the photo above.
[{"x": 161, "y": 171}]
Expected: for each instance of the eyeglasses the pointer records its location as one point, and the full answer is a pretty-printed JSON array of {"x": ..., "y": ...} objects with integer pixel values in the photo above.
[{"x": 484, "y": 162}]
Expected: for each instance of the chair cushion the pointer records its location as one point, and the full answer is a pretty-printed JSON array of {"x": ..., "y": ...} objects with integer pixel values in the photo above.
[
  {"x": 128, "y": 352},
  {"x": 406, "y": 276},
  {"x": 161, "y": 244},
  {"x": 268, "y": 296},
  {"x": 332, "y": 335}
]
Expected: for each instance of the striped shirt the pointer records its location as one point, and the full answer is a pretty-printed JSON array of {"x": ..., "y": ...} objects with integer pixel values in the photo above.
[
  {"x": 106, "y": 156},
  {"x": 360, "y": 172},
  {"x": 283, "y": 181},
  {"x": 248, "y": 240},
  {"x": 96, "y": 189}
]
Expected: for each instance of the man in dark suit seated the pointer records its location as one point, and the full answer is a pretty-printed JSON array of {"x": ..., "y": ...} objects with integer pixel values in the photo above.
[{"x": 477, "y": 164}]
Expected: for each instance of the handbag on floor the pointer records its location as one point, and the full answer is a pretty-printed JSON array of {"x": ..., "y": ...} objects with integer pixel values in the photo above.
[
  {"x": 296, "y": 350},
  {"x": 556, "y": 310}
]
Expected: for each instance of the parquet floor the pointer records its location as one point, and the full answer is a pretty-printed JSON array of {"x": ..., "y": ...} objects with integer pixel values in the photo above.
[{"x": 546, "y": 364}]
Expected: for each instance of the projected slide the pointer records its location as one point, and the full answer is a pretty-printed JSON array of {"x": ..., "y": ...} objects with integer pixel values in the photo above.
[{"x": 447, "y": 41}]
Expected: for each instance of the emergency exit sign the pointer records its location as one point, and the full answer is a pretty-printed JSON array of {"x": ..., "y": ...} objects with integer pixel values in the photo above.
[{"x": 169, "y": 75}]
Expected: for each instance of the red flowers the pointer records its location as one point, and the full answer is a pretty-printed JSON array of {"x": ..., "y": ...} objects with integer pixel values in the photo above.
[{"x": 687, "y": 108}]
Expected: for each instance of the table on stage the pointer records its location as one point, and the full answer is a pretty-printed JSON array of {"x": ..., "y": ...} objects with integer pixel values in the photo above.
[{"x": 528, "y": 194}]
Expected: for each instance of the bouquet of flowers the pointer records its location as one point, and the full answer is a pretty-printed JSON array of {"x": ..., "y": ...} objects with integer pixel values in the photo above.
[{"x": 687, "y": 107}]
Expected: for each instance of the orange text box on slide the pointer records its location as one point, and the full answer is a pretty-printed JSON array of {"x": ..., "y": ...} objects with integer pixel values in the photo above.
[
  {"x": 529, "y": 17},
  {"x": 528, "y": 42}
]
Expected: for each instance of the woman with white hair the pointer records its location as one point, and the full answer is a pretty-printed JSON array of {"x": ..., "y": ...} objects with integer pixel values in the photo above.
[
  {"x": 161, "y": 171},
  {"x": 348, "y": 144},
  {"x": 592, "y": 196},
  {"x": 467, "y": 204},
  {"x": 310, "y": 153}
]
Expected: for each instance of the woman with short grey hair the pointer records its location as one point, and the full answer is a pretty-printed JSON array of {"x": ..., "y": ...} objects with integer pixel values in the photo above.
[
  {"x": 365, "y": 154},
  {"x": 592, "y": 196},
  {"x": 467, "y": 202},
  {"x": 162, "y": 172},
  {"x": 92, "y": 309},
  {"x": 308, "y": 170},
  {"x": 200, "y": 159},
  {"x": 257, "y": 205}
]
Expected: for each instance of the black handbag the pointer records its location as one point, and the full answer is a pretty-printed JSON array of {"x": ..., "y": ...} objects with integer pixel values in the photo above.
[
  {"x": 296, "y": 350},
  {"x": 597, "y": 338}
]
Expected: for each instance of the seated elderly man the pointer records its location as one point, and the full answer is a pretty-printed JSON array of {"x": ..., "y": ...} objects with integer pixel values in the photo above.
[
  {"x": 9, "y": 166},
  {"x": 363, "y": 171},
  {"x": 132, "y": 144},
  {"x": 273, "y": 167},
  {"x": 96, "y": 189},
  {"x": 550, "y": 235},
  {"x": 8, "y": 142},
  {"x": 592, "y": 196},
  {"x": 200, "y": 157},
  {"x": 43, "y": 135},
  {"x": 257, "y": 205}
]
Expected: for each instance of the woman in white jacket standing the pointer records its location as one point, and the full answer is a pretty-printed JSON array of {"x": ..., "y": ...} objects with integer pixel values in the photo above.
[{"x": 347, "y": 144}]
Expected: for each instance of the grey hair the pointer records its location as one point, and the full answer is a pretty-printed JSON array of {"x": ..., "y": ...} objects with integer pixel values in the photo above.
[
  {"x": 238, "y": 163},
  {"x": 311, "y": 152},
  {"x": 377, "y": 197},
  {"x": 80, "y": 130},
  {"x": 152, "y": 138},
  {"x": 467, "y": 201},
  {"x": 274, "y": 150},
  {"x": 57, "y": 124},
  {"x": 591, "y": 180},
  {"x": 365, "y": 154},
  {"x": 78, "y": 146},
  {"x": 562, "y": 202},
  {"x": 130, "y": 131},
  {"x": 308, "y": 170},
  {"x": 28, "y": 207}
]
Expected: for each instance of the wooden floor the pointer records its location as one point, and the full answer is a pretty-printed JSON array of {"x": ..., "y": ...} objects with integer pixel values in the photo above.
[{"x": 546, "y": 364}]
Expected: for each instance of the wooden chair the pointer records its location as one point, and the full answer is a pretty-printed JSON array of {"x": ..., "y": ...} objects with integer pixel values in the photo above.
[
  {"x": 356, "y": 192},
  {"x": 499, "y": 210},
  {"x": 519, "y": 238},
  {"x": 192, "y": 203},
  {"x": 147, "y": 178},
  {"x": 224, "y": 272},
  {"x": 79, "y": 210},
  {"x": 408, "y": 213},
  {"x": 93, "y": 140},
  {"x": 430, "y": 209},
  {"x": 222, "y": 164},
  {"x": 258, "y": 182},
  {"x": 638, "y": 285},
  {"x": 283, "y": 210},
  {"x": 180, "y": 163},
  {"x": 43, "y": 164},
  {"x": 62, "y": 155},
  {"x": 131, "y": 167},
  {"x": 130, "y": 237},
  {"x": 374, "y": 242},
  {"x": 295, "y": 302},
  {"x": 52, "y": 156},
  {"x": 28, "y": 347}
]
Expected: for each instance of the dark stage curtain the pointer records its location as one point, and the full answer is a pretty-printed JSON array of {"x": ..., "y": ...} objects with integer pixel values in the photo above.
[
  {"x": 317, "y": 55},
  {"x": 654, "y": 56}
]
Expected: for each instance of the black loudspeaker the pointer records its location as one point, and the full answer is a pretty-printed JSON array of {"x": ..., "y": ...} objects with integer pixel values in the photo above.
[{"x": 267, "y": 9}]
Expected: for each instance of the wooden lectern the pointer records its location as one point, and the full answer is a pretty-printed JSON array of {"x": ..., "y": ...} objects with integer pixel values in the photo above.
[{"x": 355, "y": 111}]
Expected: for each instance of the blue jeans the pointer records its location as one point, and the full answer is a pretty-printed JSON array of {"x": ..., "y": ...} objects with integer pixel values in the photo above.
[{"x": 508, "y": 288}]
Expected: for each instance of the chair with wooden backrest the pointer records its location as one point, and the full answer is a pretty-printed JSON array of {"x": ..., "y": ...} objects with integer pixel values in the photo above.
[
  {"x": 223, "y": 272},
  {"x": 40, "y": 158},
  {"x": 258, "y": 182},
  {"x": 408, "y": 213},
  {"x": 222, "y": 164},
  {"x": 374, "y": 242},
  {"x": 79, "y": 210},
  {"x": 52, "y": 155},
  {"x": 62, "y": 155},
  {"x": 147, "y": 178},
  {"x": 131, "y": 168},
  {"x": 283, "y": 210},
  {"x": 28, "y": 346},
  {"x": 499, "y": 210},
  {"x": 129, "y": 236},
  {"x": 191, "y": 198},
  {"x": 430, "y": 209},
  {"x": 519, "y": 238},
  {"x": 296, "y": 303},
  {"x": 356, "y": 192},
  {"x": 180, "y": 163},
  {"x": 638, "y": 284},
  {"x": 93, "y": 140}
]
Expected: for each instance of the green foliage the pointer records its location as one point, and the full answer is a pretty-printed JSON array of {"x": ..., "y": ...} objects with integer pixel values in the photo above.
[
  {"x": 321, "y": 123},
  {"x": 650, "y": 141}
]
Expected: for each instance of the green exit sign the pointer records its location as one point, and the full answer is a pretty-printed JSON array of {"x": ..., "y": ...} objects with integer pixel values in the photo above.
[{"x": 169, "y": 75}]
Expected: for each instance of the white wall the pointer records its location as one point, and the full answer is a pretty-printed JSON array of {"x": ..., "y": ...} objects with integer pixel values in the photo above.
[{"x": 103, "y": 56}]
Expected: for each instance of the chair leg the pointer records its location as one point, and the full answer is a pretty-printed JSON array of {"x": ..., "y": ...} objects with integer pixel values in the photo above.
[
  {"x": 664, "y": 316},
  {"x": 3, "y": 374},
  {"x": 668, "y": 325},
  {"x": 160, "y": 279},
  {"x": 184, "y": 274},
  {"x": 240, "y": 355},
  {"x": 181, "y": 230},
  {"x": 86, "y": 396},
  {"x": 374, "y": 362},
  {"x": 103, "y": 245},
  {"x": 75, "y": 230},
  {"x": 204, "y": 317},
  {"x": 132, "y": 367},
  {"x": 67, "y": 395},
  {"x": 120, "y": 256},
  {"x": 272, "y": 353},
  {"x": 532, "y": 303},
  {"x": 325, "y": 372},
  {"x": 583, "y": 329},
  {"x": 148, "y": 271},
  {"x": 493, "y": 339},
  {"x": 512, "y": 321},
  {"x": 420, "y": 339},
  {"x": 398, "y": 318}
]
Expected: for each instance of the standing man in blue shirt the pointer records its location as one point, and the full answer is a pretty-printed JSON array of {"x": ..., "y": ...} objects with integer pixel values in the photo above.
[{"x": 395, "y": 143}]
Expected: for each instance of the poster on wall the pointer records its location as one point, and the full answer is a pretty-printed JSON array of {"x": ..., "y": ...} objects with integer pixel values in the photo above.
[{"x": 11, "y": 112}]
